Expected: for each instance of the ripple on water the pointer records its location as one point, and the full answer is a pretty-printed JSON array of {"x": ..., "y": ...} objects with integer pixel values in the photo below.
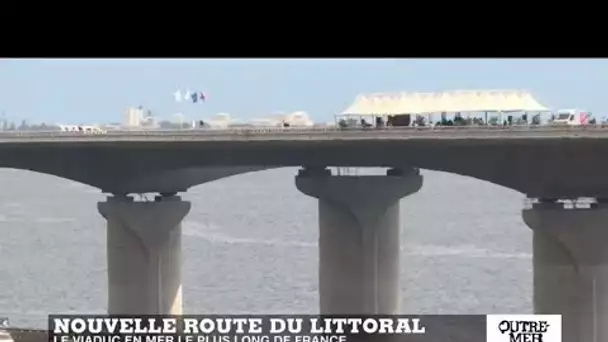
[
  {"x": 53, "y": 220},
  {"x": 211, "y": 233}
]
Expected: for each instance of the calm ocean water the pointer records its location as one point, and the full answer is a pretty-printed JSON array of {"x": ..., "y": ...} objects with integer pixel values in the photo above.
[{"x": 250, "y": 247}]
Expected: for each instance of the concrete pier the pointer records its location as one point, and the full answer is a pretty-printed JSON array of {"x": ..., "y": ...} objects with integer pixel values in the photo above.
[
  {"x": 359, "y": 238},
  {"x": 144, "y": 254},
  {"x": 570, "y": 249}
]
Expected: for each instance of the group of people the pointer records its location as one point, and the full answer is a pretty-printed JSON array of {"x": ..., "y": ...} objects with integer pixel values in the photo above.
[{"x": 421, "y": 121}]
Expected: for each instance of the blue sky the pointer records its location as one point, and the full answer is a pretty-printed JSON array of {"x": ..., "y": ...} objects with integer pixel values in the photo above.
[{"x": 98, "y": 91}]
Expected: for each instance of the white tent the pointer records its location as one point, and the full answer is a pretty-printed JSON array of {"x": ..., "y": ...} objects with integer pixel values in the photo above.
[{"x": 449, "y": 102}]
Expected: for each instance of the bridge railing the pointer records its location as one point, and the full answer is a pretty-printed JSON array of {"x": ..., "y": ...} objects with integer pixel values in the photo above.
[{"x": 304, "y": 130}]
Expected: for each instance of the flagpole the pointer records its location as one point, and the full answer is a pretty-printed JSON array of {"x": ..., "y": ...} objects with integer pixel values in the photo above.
[
  {"x": 190, "y": 99},
  {"x": 195, "y": 98}
]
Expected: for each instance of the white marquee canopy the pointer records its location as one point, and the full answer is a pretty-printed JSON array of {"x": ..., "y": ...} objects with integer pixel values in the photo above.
[{"x": 448, "y": 102}]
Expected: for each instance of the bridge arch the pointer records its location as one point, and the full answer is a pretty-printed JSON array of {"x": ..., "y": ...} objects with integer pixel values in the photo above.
[{"x": 181, "y": 179}]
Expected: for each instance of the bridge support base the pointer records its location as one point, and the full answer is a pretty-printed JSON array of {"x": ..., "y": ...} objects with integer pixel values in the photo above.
[
  {"x": 359, "y": 243},
  {"x": 144, "y": 254},
  {"x": 571, "y": 268}
]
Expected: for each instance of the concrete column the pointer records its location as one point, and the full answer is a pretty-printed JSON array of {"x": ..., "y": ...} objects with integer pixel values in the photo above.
[
  {"x": 571, "y": 268},
  {"x": 359, "y": 245},
  {"x": 144, "y": 254}
]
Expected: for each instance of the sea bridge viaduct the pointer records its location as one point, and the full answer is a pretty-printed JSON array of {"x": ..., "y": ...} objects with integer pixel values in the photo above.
[{"x": 358, "y": 215}]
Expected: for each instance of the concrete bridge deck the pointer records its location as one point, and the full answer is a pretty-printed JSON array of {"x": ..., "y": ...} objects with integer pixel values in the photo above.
[
  {"x": 317, "y": 134},
  {"x": 523, "y": 158},
  {"x": 359, "y": 223}
]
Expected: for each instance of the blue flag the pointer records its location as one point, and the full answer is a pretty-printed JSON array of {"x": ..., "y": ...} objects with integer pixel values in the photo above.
[{"x": 194, "y": 97}]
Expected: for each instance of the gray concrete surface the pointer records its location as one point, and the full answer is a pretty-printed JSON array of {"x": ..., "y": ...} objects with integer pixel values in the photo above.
[
  {"x": 359, "y": 235},
  {"x": 317, "y": 133},
  {"x": 540, "y": 162},
  {"x": 570, "y": 258},
  {"x": 144, "y": 255}
]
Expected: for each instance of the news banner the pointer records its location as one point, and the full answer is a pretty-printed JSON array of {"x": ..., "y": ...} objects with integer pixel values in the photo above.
[{"x": 279, "y": 328}]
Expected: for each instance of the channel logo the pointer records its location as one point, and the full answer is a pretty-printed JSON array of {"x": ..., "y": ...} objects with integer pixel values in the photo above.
[{"x": 524, "y": 328}]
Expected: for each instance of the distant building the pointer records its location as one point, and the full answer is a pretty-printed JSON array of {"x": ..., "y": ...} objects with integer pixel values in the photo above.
[
  {"x": 298, "y": 119},
  {"x": 295, "y": 119},
  {"x": 134, "y": 117},
  {"x": 221, "y": 121}
]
